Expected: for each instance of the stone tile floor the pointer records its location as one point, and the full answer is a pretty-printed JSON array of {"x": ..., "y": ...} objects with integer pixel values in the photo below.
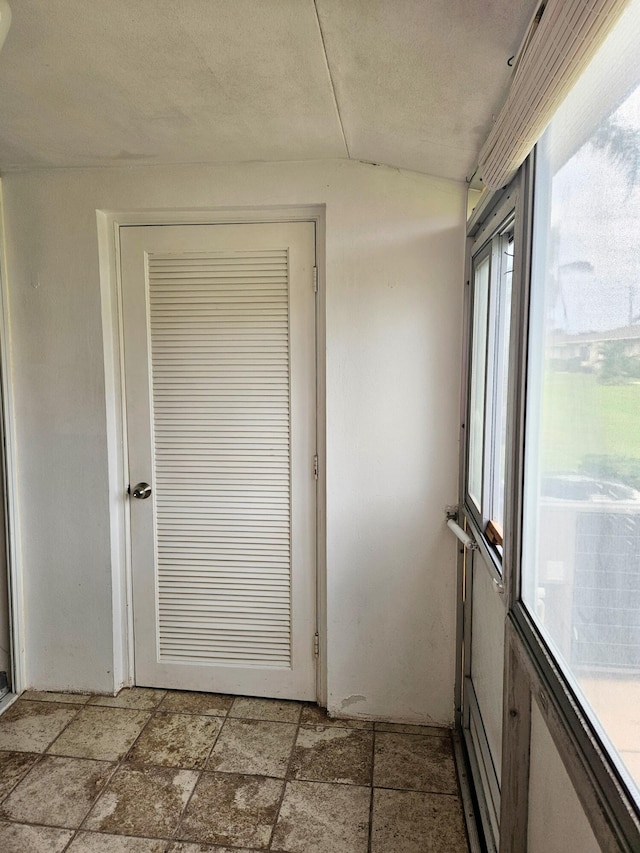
[{"x": 152, "y": 771}]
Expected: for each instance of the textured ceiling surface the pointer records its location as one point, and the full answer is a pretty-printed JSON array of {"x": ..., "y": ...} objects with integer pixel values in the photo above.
[{"x": 408, "y": 83}]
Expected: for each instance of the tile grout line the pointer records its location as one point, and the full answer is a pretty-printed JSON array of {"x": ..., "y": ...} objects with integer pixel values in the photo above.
[
  {"x": 199, "y": 777},
  {"x": 285, "y": 780},
  {"x": 117, "y": 764},
  {"x": 38, "y": 760},
  {"x": 154, "y": 712},
  {"x": 158, "y": 710},
  {"x": 79, "y": 706}
]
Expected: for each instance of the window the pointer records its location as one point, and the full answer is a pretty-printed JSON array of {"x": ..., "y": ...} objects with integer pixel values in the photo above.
[
  {"x": 492, "y": 270},
  {"x": 581, "y": 519},
  {"x": 481, "y": 272}
]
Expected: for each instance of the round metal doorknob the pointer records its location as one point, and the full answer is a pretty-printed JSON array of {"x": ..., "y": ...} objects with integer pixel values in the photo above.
[{"x": 141, "y": 491}]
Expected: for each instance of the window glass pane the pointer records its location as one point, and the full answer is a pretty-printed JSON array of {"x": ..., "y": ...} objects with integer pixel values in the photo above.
[
  {"x": 478, "y": 374},
  {"x": 503, "y": 321},
  {"x": 581, "y": 554}
]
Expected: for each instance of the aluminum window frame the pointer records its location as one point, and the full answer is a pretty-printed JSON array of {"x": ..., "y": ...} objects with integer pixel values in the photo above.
[
  {"x": 490, "y": 216},
  {"x": 531, "y": 670},
  {"x": 531, "y": 674},
  {"x": 486, "y": 231}
]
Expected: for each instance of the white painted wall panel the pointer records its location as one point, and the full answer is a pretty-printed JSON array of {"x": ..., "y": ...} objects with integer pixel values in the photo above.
[
  {"x": 487, "y": 655},
  {"x": 394, "y": 255},
  {"x": 557, "y": 821}
]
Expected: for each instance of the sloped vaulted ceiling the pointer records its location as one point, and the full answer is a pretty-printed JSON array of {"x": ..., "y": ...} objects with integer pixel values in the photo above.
[{"x": 408, "y": 83}]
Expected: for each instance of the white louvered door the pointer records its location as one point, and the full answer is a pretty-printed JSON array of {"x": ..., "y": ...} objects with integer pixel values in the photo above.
[{"x": 219, "y": 339}]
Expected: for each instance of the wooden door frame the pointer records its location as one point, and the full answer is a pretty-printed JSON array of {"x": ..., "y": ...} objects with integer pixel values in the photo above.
[{"x": 108, "y": 225}]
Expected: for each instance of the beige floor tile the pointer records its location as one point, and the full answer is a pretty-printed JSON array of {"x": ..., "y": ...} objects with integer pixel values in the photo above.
[
  {"x": 17, "y": 838},
  {"x": 253, "y": 746},
  {"x": 176, "y": 740},
  {"x": 94, "y": 842},
  {"x": 230, "y": 809},
  {"x": 57, "y": 791},
  {"x": 137, "y": 698},
  {"x": 69, "y": 698},
  {"x": 13, "y": 766},
  {"x": 414, "y": 762},
  {"x": 143, "y": 801},
  {"x": 333, "y": 755},
  {"x": 183, "y": 702},
  {"x": 31, "y": 726},
  {"x": 402, "y": 728},
  {"x": 312, "y": 715},
  {"x": 159, "y": 802},
  {"x": 321, "y": 818},
  {"x": 273, "y": 710},
  {"x": 412, "y": 822},
  {"x": 188, "y": 847},
  {"x": 102, "y": 733}
]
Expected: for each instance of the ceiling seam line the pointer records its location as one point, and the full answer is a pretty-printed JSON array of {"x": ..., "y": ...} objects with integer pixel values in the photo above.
[{"x": 333, "y": 87}]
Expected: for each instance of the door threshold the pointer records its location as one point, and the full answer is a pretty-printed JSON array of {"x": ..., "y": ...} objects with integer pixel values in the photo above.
[{"x": 466, "y": 793}]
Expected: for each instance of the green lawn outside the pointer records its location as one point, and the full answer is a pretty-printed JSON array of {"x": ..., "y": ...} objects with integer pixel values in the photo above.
[{"x": 582, "y": 417}]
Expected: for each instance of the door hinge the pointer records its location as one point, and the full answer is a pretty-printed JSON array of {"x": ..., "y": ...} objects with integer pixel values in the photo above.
[
  {"x": 315, "y": 467},
  {"x": 315, "y": 279},
  {"x": 316, "y": 644}
]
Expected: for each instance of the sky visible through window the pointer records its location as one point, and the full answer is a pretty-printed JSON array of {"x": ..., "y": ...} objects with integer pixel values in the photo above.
[{"x": 595, "y": 219}]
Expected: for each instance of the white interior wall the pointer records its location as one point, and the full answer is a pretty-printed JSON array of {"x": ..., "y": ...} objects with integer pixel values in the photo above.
[{"x": 394, "y": 254}]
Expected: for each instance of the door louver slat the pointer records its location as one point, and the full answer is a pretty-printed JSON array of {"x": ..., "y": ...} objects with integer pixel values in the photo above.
[{"x": 219, "y": 333}]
